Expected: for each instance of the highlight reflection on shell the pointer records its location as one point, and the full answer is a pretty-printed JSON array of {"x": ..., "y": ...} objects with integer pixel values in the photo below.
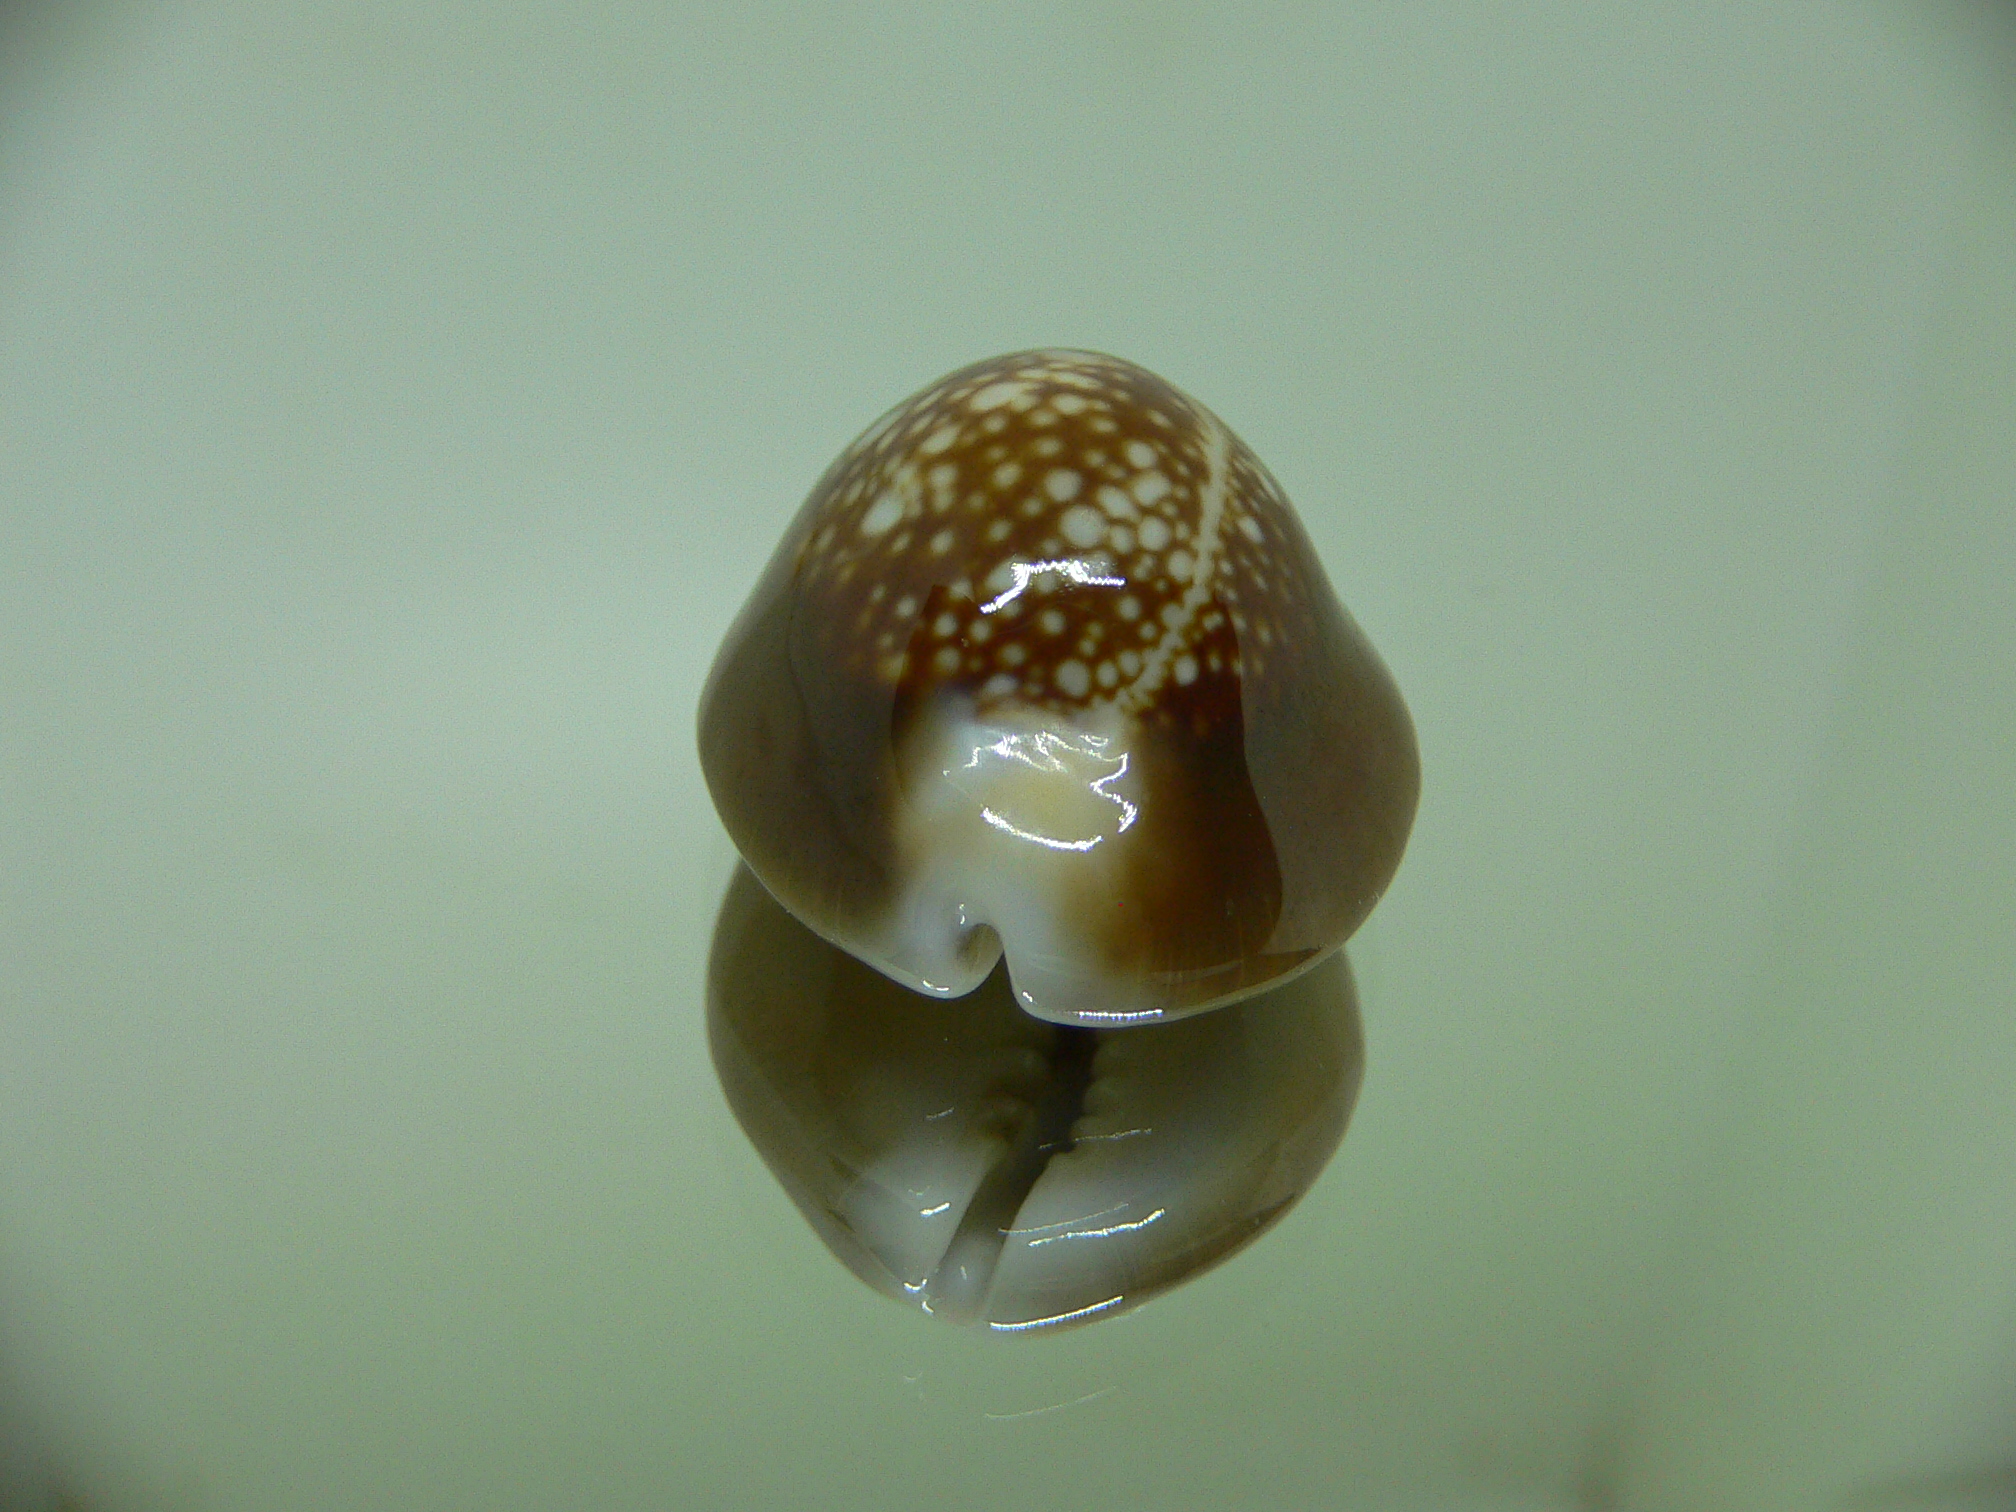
[
  {"x": 1046, "y": 665},
  {"x": 986, "y": 1165}
]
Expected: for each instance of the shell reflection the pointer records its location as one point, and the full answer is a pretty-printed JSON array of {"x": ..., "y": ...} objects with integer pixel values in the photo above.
[{"x": 990, "y": 1166}]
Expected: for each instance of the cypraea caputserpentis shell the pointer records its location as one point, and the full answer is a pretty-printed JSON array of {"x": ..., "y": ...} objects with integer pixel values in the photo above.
[
  {"x": 1046, "y": 666},
  {"x": 1045, "y": 689}
]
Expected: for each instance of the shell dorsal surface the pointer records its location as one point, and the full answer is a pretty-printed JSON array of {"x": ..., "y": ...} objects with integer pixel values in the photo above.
[{"x": 1046, "y": 665}]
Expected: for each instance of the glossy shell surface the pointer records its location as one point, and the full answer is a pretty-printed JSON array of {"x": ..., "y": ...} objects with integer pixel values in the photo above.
[{"x": 1047, "y": 665}]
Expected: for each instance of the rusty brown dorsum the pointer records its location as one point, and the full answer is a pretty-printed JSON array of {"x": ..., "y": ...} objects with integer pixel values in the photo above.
[{"x": 1046, "y": 667}]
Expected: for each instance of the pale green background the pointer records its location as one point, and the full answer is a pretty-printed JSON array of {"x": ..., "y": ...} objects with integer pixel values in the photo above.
[{"x": 395, "y": 403}]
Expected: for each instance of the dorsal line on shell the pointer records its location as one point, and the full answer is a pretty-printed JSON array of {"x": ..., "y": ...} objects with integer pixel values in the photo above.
[{"x": 1155, "y": 664}]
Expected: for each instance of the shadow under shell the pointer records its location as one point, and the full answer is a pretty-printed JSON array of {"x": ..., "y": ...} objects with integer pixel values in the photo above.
[{"x": 993, "y": 1167}]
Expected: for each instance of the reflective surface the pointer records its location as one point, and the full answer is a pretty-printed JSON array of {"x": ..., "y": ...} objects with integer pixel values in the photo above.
[
  {"x": 1047, "y": 666},
  {"x": 986, "y": 1166},
  {"x": 396, "y": 406}
]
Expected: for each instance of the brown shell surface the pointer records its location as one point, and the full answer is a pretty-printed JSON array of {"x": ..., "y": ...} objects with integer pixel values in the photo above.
[{"x": 1054, "y": 534}]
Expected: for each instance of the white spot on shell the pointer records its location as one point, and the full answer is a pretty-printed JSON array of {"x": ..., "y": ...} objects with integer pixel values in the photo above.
[
  {"x": 905, "y": 607},
  {"x": 1076, "y": 681},
  {"x": 1185, "y": 670},
  {"x": 1050, "y": 622},
  {"x": 1251, "y": 527},
  {"x": 1082, "y": 524},
  {"x": 1140, "y": 453},
  {"x": 1154, "y": 533},
  {"x": 1063, "y": 484},
  {"x": 882, "y": 515},
  {"x": 1000, "y": 685},
  {"x": 1116, "y": 503},
  {"x": 1122, "y": 538},
  {"x": 1149, "y": 487},
  {"x": 1106, "y": 675},
  {"x": 1180, "y": 565},
  {"x": 947, "y": 659},
  {"x": 944, "y": 625},
  {"x": 997, "y": 394}
]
